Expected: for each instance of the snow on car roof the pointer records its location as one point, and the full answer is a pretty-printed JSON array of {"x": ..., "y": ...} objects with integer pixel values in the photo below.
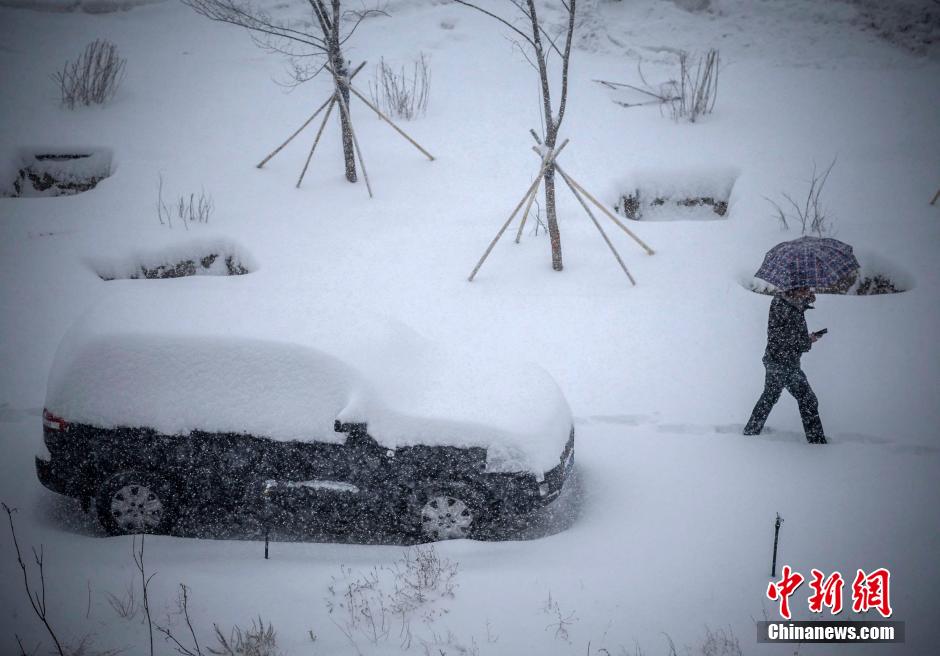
[{"x": 225, "y": 358}]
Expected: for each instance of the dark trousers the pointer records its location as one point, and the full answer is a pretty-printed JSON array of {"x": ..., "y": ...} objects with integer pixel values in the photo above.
[{"x": 794, "y": 380}]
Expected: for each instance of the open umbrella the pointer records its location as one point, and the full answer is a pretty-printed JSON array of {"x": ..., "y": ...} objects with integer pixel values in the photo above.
[{"x": 817, "y": 262}]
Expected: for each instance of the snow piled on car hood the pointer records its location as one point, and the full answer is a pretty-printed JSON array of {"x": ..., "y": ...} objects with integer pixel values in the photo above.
[{"x": 178, "y": 356}]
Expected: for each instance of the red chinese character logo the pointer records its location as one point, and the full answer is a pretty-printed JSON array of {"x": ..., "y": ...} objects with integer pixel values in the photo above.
[
  {"x": 785, "y": 587},
  {"x": 872, "y": 591},
  {"x": 826, "y": 592}
]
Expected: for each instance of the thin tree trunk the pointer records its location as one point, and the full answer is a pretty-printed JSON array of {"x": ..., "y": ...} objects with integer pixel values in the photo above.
[
  {"x": 551, "y": 133},
  {"x": 349, "y": 155},
  {"x": 554, "y": 235}
]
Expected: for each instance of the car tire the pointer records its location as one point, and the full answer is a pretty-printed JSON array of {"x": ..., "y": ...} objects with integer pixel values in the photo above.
[
  {"x": 448, "y": 511},
  {"x": 132, "y": 502}
]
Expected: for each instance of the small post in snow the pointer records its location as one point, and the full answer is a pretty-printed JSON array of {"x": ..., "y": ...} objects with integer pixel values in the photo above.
[
  {"x": 266, "y": 500},
  {"x": 773, "y": 565}
]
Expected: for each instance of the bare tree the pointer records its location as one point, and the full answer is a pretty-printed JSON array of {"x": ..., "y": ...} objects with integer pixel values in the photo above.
[
  {"x": 308, "y": 52},
  {"x": 537, "y": 43}
]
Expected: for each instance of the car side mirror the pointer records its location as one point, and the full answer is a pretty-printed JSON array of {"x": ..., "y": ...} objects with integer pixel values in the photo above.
[{"x": 357, "y": 434}]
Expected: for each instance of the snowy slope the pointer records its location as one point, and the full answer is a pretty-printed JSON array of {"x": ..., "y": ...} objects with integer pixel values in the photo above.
[{"x": 667, "y": 525}]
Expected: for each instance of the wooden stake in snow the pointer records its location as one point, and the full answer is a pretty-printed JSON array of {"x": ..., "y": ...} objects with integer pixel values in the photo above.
[
  {"x": 332, "y": 101},
  {"x": 346, "y": 118},
  {"x": 525, "y": 214},
  {"x": 773, "y": 565},
  {"x": 587, "y": 209},
  {"x": 389, "y": 121},
  {"x": 571, "y": 181},
  {"x": 649, "y": 251},
  {"x": 547, "y": 159},
  {"x": 345, "y": 109},
  {"x": 306, "y": 123}
]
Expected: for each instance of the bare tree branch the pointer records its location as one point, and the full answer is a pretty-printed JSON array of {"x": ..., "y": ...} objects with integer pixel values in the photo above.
[
  {"x": 36, "y": 599},
  {"x": 566, "y": 58},
  {"x": 500, "y": 19}
]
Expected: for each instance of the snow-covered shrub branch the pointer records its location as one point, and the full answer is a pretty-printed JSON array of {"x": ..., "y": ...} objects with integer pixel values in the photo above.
[
  {"x": 94, "y": 77},
  {"x": 37, "y": 598},
  {"x": 695, "y": 92},
  {"x": 259, "y": 640},
  {"x": 809, "y": 213},
  {"x": 561, "y": 620},
  {"x": 399, "y": 95},
  {"x": 689, "y": 96},
  {"x": 372, "y": 604},
  {"x": 186, "y": 209}
]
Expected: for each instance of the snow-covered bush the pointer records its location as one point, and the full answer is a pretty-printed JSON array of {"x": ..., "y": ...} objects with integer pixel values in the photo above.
[
  {"x": 216, "y": 257},
  {"x": 94, "y": 77},
  {"x": 695, "y": 92},
  {"x": 51, "y": 172},
  {"x": 809, "y": 213},
  {"x": 186, "y": 210},
  {"x": 259, "y": 640},
  {"x": 385, "y": 601},
  {"x": 698, "y": 194},
  {"x": 399, "y": 95}
]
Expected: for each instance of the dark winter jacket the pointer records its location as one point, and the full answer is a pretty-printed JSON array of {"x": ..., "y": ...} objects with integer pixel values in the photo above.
[{"x": 787, "y": 335}]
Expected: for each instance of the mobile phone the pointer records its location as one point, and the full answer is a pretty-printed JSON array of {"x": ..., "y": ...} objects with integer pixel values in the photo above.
[{"x": 820, "y": 333}]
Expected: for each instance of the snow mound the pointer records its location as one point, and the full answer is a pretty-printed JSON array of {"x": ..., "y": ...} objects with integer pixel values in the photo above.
[
  {"x": 676, "y": 195},
  {"x": 199, "y": 258},
  {"x": 287, "y": 368},
  {"x": 39, "y": 172}
]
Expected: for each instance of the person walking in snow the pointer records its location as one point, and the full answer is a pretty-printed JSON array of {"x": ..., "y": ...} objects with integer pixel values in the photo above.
[{"x": 787, "y": 339}]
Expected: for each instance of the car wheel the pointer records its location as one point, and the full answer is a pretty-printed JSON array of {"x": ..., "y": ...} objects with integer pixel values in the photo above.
[
  {"x": 132, "y": 502},
  {"x": 446, "y": 512}
]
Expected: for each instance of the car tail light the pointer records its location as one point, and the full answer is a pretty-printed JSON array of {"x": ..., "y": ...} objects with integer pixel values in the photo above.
[{"x": 52, "y": 422}]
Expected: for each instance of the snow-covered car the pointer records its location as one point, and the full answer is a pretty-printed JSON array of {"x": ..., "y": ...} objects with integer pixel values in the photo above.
[{"x": 170, "y": 399}]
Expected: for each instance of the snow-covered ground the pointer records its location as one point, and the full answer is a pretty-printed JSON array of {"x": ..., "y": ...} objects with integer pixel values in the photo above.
[{"x": 667, "y": 526}]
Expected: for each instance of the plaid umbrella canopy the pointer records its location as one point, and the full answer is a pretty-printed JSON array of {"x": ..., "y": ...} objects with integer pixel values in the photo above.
[{"x": 817, "y": 262}]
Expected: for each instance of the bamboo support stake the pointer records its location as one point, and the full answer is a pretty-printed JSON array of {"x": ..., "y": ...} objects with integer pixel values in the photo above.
[
  {"x": 389, "y": 121},
  {"x": 596, "y": 224},
  {"x": 298, "y": 131},
  {"x": 649, "y": 251},
  {"x": 306, "y": 123},
  {"x": 345, "y": 109},
  {"x": 546, "y": 159},
  {"x": 525, "y": 214},
  {"x": 326, "y": 117}
]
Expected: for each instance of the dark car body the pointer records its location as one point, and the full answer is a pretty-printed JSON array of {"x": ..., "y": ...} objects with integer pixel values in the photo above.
[{"x": 224, "y": 472}]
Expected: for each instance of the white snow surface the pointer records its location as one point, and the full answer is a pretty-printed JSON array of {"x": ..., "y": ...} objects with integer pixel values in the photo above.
[
  {"x": 666, "y": 526},
  {"x": 235, "y": 360}
]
